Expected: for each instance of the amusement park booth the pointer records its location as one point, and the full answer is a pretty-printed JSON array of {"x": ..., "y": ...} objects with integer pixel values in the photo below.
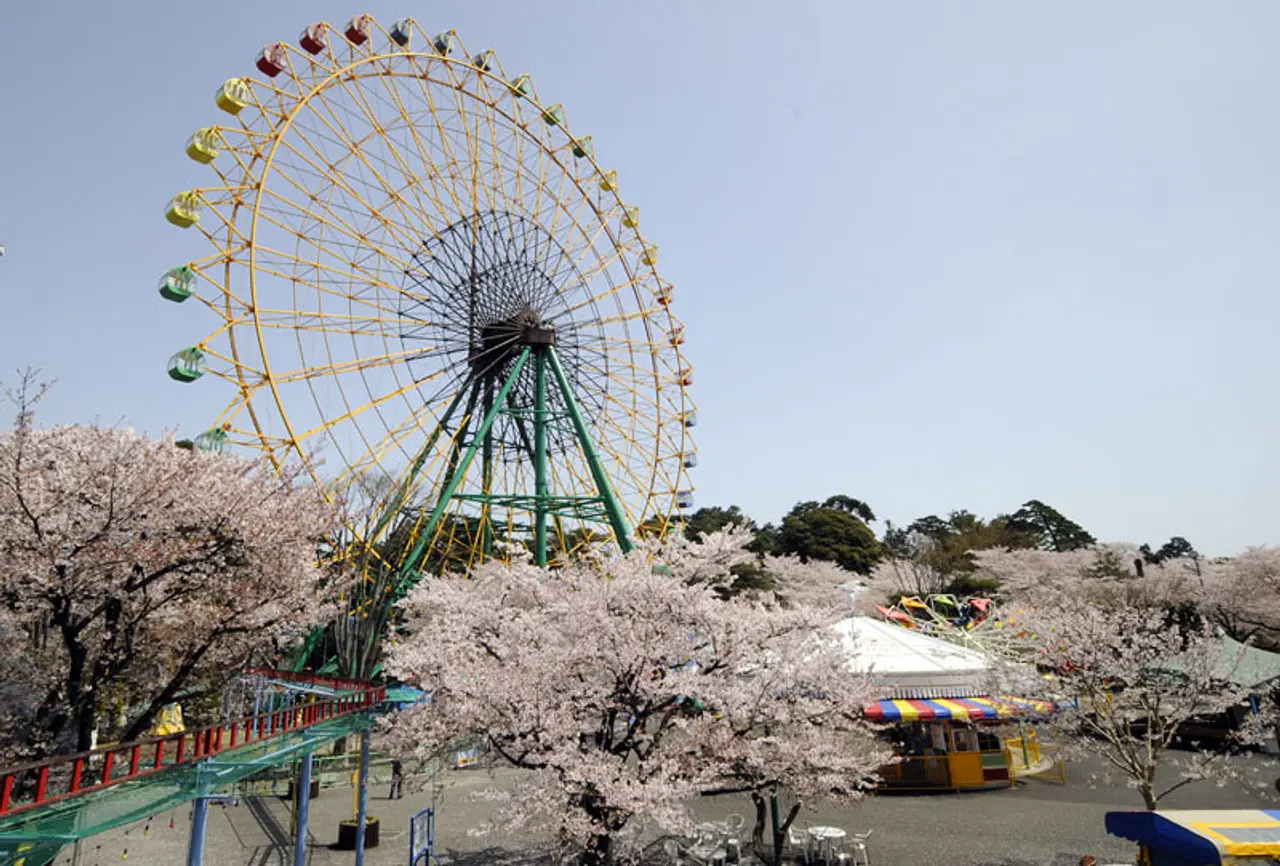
[
  {"x": 1201, "y": 838},
  {"x": 949, "y": 732}
]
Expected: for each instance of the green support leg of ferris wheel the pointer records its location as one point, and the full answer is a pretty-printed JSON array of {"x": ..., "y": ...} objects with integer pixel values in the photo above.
[
  {"x": 540, "y": 487},
  {"x": 618, "y": 520},
  {"x": 543, "y": 503},
  {"x": 409, "y": 570}
]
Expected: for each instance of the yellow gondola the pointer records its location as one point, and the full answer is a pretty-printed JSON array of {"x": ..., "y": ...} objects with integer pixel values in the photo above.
[
  {"x": 203, "y": 145},
  {"x": 233, "y": 95},
  {"x": 184, "y": 209}
]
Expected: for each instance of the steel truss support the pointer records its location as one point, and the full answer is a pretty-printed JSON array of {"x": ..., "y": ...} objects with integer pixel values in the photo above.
[{"x": 602, "y": 507}]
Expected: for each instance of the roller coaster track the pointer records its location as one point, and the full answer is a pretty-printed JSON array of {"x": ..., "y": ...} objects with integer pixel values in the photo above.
[{"x": 53, "y": 803}]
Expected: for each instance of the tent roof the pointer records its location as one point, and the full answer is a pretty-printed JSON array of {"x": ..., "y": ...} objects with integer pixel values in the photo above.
[
  {"x": 1203, "y": 837},
  {"x": 912, "y": 665},
  {"x": 1247, "y": 665},
  {"x": 1241, "y": 664}
]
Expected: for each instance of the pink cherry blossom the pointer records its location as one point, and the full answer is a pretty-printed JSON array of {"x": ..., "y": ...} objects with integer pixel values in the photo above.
[
  {"x": 1129, "y": 680},
  {"x": 626, "y": 690},
  {"x": 133, "y": 570},
  {"x": 1242, "y": 592}
]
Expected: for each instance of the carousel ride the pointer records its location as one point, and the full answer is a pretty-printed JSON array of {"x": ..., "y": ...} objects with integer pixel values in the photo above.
[{"x": 972, "y": 622}]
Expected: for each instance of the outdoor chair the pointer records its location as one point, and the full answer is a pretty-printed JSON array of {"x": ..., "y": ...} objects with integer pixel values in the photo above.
[
  {"x": 858, "y": 849},
  {"x": 800, "y": 843},
  {"x": 732, "y": 840}
]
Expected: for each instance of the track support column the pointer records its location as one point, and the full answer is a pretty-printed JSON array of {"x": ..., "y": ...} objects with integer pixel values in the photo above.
[
  {"x": 304, "y": 803},
  {"x": 363, "y": 811},
  {"x": 199, "y": 821}
]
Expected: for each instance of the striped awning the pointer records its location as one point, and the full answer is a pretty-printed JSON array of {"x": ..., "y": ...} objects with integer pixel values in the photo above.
[
  {"x": 959, "y": 709},
  {"x": 1210, "y": 837}
]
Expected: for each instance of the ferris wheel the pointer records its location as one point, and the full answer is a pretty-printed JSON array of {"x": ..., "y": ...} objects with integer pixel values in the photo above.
[{"x": 427, "y": 289}]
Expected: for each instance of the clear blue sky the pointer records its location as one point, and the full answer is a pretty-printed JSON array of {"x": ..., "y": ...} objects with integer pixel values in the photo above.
[{"x": 934, "y": 255}]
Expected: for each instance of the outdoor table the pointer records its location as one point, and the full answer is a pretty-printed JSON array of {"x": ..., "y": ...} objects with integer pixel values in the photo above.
[
  {"x": 824, "y": 836},
  {"x": 711, "y": 846}
]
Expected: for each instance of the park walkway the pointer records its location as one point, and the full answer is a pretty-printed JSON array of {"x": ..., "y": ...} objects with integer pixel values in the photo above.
[{"x": 1036, "y": 824}]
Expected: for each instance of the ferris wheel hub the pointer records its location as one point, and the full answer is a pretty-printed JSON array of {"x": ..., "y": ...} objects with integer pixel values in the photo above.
[{"x": 497, "y": 342}]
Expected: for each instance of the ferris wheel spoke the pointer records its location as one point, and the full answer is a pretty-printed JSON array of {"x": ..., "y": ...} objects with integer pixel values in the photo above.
[
  {"x": 233, "y": 232},
  {"x": 204, "y": 268},
  {"x": 353, "y": 207},
  {"x": 455, "y": 171},
  {"x": 341, "y": 279},
  {"x": 282, "y": 215},
  {"x": 340, "y": 367},
  {"x": 603, "y": 263},
  {"x": 339, "y": 182},
  {"x": 363, "y": 160},
  {"x": 472, "y": 141},
  {"x": 576, "y": 231},
  {"x": 589, "y": 241},
  {"x": 413, "y": 182},
  {"x": 501, "y": 155},
  {"x": 632, "y": 408},
  {"x": 424, "y": 154},
  {"x": 395, "y": 438},
  {"x": 610, "y": 291},
  {"x": 353, "y": 285},
  {"x": 352, "y": 413},
  {"x": 324, "y": 327}
]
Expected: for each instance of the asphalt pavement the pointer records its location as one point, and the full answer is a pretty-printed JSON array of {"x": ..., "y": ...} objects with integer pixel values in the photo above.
[{"x": 1036, "y": 823}]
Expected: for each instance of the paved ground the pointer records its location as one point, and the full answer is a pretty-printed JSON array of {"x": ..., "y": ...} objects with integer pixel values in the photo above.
[{"x": 1035, "y": 824}]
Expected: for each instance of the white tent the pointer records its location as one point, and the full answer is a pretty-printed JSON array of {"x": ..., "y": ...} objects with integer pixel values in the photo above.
[{"x": 911, "y": 665}]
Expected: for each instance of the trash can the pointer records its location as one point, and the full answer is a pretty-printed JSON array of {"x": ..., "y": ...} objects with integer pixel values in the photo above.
[{"x": 347, "y": 834}]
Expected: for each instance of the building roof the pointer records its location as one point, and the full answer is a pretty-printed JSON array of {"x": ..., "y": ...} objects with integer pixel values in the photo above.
[{"x": 911, "y": 665}]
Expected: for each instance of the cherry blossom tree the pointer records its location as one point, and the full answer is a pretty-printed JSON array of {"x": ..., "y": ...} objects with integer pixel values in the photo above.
[
  {"x": 1242, "y": 593},
  {"x": 132, "y": 570},
  {"x": 1105, "y": 574},
  {"x": 627, "y": 689},
  {"x": 1138, "y": 679},
  {"x": 913, "y": 571}
]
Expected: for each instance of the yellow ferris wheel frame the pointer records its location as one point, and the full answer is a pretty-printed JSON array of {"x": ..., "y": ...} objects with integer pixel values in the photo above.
[{"x": 370, "y": 187}]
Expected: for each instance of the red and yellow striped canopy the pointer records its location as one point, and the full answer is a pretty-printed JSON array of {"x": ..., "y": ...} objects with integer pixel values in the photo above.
[{"x": 959, "y": 709}]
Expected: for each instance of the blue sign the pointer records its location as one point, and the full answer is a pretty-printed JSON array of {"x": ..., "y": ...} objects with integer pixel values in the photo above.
[{"x": 422, "y": 837}]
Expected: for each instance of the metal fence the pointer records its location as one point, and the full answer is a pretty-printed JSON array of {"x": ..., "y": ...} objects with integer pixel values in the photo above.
[{"x": 61, "y": 778}]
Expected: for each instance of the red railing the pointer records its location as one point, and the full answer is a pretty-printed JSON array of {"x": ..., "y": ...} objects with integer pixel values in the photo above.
[
  {"x": 336, "y": 683},
  {"x": 67, "y": 776}
]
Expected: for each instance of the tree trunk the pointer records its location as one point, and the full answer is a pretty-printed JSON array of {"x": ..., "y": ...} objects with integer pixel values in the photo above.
[
  {"x": 143, "y": 723},
  {"x": 599, "y": 851},
  {"x": 780, "y": 829},
  {"x": 757, "y": 832},
  {"x": 86, "y": 721}
]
